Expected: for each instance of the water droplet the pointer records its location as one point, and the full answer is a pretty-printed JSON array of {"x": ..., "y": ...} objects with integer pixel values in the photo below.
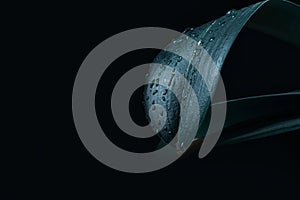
[
  {"x": 211, "y": 39},
  {"x": 162, "y": 114},
  {"x": 200, "y": 42},
  {"x": 210, "y": 31},
  {"x": 169, "y": 62},
  {"x": 153, "y": 102},
  {"x": 157, "y": 80},
  {"x": 151, "y": 85},
  {"x": 165, "y": 92},
  {"x": 185, "y": 97},
  {"x": 181, "y": 144},
  {"x": 196, "y": 52},
  {"x": 174, "y": 69},
  {"x": 179, "y": 59},
  {"x": 147, "y": 75},
  {"x": 153, "y": 107},
  {"x": 233, "y": 16},
  {"x": 222, "y": 23},
  {"x": 231, "y": 12},
  {"x": 163, "y": 98},
  {"x": 191, "y": 29},
  {"x": 155, "y": 92},
  {"x": 177, "y": 41}
]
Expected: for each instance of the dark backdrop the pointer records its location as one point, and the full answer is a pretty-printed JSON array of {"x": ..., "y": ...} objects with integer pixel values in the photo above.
[{"x": 62, "y": 34}]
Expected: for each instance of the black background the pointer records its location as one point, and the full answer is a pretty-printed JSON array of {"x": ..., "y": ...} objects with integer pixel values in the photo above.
[{"x": 58, "y": 36}]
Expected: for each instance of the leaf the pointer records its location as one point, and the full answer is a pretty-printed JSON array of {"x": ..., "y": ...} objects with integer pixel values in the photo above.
[{"x": 279, "y": 19}]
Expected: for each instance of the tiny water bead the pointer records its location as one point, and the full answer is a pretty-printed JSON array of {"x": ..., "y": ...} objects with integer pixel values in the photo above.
[
  {"x": 200, "y": 42},
  {"x": 222, "y": 23},
  {"x": 196, "y": 52},
  {"x": 210, "y": 31},
  {"x": 177, "y": 41},
  {"x": 231, "y": 12},
  {"x": 165, "y": 92},
  {"x": 211, "y": 39},
  {"x": 155, "y": 92}
]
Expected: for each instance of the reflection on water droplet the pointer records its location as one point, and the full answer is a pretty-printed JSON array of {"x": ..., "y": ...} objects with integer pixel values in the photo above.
[
  {"x": 222, "y": 23},
  {"x": 196, "y": 52},
  {"x": 181, "y": 144},
  {"x": 200, "y": 42},
  {"x": 211, "y": 39},
  {"x": 231, "y": 12},
  {"x": 233, "y": 16}
]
